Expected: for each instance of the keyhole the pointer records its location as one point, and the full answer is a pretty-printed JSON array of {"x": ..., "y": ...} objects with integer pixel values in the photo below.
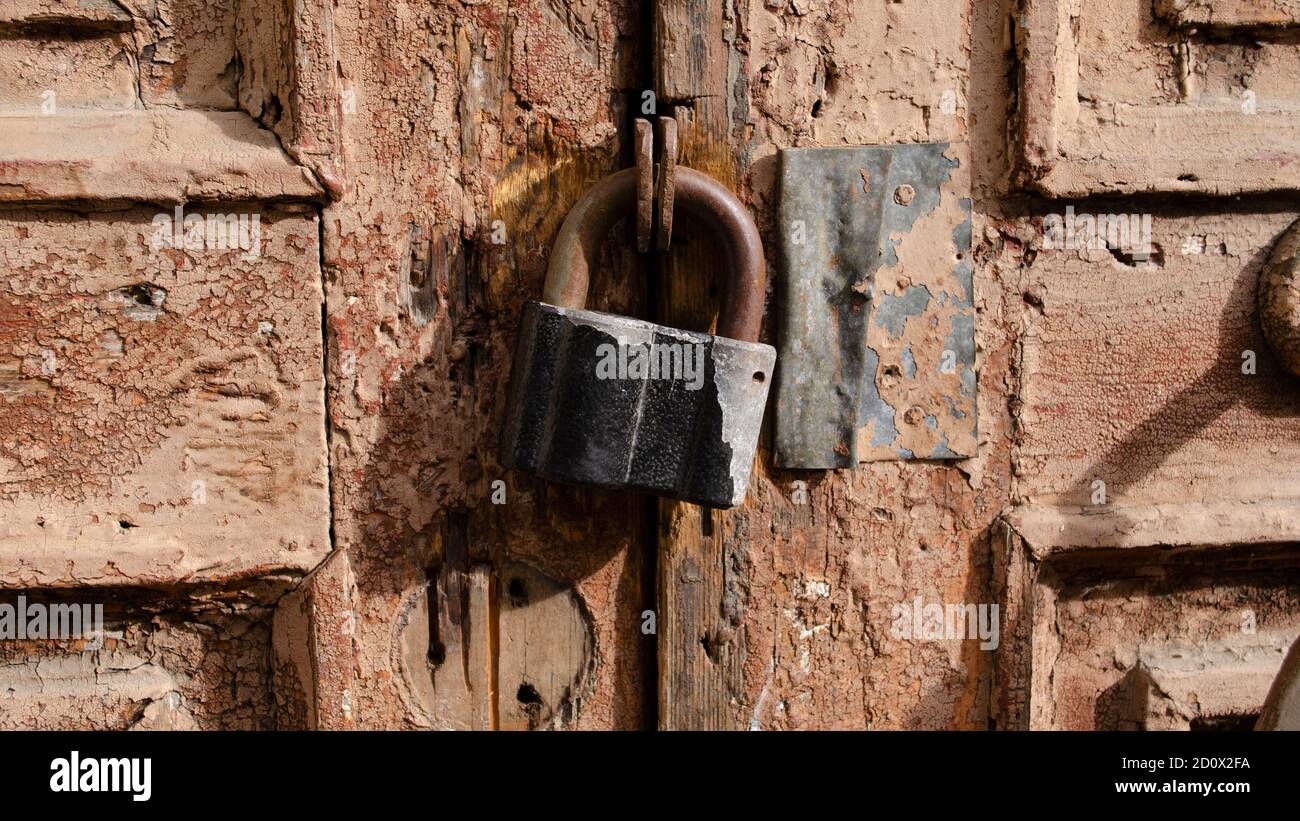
[{"x": 517, "y": 592}]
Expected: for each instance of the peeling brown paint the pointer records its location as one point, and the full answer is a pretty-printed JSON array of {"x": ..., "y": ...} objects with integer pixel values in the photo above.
[
  {"x": 166, "y": 401},
  {"x": 383, "y": 144}
]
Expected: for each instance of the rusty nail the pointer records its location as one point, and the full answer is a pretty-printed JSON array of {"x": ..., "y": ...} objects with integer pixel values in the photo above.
[{"x": 904, "y": 194}]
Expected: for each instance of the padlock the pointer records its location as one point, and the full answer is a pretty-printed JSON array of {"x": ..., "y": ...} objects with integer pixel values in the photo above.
[{"x": 615, "y": 402}]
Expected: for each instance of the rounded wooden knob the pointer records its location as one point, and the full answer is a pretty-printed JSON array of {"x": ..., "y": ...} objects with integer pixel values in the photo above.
[{"x": 1279, "y": 299}]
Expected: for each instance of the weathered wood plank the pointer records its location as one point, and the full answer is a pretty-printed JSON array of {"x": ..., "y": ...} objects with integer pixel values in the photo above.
[
  {"x": 469, "y": 133},
  {"x": 1113, "y": 342},
  {"x": 162, "y": 417},
  {"x": 700, "y": 650},
  {"x": 816, "y": 562},
  {"x": 1229, "y": 14},
  {"x": 164, "y": 156}
]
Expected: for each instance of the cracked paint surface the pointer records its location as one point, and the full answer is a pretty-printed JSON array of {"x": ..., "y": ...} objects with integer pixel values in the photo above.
[
  {"x": 149, "y": 429},
  {"x": 454, "y": 116}
]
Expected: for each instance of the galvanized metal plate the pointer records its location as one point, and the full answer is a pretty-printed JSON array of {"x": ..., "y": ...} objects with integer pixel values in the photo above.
[{"x": 877, "y": 339}]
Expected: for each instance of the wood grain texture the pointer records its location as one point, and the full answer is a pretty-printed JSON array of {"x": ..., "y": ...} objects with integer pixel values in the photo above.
[{"x": 701, "y": 643}]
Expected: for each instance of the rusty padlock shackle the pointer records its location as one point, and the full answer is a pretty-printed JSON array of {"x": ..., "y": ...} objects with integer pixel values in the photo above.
[{"x": 698, "y": 195}]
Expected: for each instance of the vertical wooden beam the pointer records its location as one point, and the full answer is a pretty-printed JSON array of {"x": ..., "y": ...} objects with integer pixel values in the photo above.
[
  {"x": 528, "y": 151},
  {"x": 460, "y": 639},
  {"x": 700, "y": 642},
  {"x": 1013, "y": 588}
]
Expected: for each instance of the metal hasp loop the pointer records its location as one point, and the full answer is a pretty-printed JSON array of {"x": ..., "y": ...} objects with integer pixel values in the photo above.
[{"x": 700, "y": 197}]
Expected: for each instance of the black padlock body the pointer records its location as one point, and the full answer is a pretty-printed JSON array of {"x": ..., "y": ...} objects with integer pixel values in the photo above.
[{"x": 688, "y": 436}]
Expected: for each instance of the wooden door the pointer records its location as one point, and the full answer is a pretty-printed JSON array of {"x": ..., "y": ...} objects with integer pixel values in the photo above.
[{"x": 277, "y": 469}]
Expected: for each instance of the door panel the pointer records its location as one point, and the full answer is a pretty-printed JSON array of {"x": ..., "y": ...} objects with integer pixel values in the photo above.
[
  {"x": 473, "y": 132},
  {"x": 1116, "y": 100},
  {"x": 163, "y": 470},
  {"x": 163, "y": 407},
  {"x": 1146, "y": 567}
]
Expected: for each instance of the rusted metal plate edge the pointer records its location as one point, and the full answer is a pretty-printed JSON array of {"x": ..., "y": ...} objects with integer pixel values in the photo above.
[{"x": 877, "y": 348}]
